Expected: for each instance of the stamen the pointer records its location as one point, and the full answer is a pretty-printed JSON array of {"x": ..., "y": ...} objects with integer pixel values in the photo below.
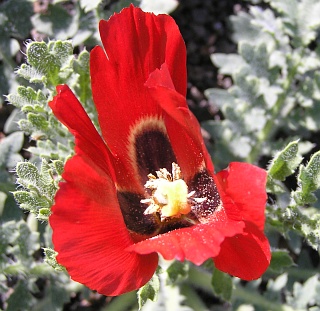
[
  {"x": 169, "y": 197},
  {"x": 176, "y": 171}
]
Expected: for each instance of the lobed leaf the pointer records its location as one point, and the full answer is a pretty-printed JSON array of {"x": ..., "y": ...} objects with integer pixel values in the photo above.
[
  {"x": 222, "y": 284},
  {"x": 28, "y": 99},
  {"x": 301, "y": 19},
  {"x": 39, "y": 186},
  {"x": 50, "y": 259},
  {"x": 149, "y": 291},
  {"x": 177, "y": 271},
  {"x": 308, "y": 181},
  {"x": 228, "y": 64},
  {"x": 280, "y": 261},
  {"x": 285, "y": 162},
  {"x": 52, "y": 60}
]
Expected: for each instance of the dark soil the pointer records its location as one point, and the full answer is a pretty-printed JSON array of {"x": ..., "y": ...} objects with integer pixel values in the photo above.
[{"x": 205, "y": 27}]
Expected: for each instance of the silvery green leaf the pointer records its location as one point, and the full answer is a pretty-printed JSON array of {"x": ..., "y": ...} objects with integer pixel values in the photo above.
[
  {"x": 149, "y": 291},
  {"x": 222, "y": 284},
  {"x": 219, "y": 97},
  {"x": 9, "y": 148},
  {"x": 89, "y": 5},
  {"x": 308, "y": 181},
  {"x": 228, "y": 64},
  {"x": 159, "y": 6},
  {"x": 57, "y": 23},
  {"x": 285, "y": 162},
  {"x": 280, "y": 261},
  {"x": 306, "y": 294}
]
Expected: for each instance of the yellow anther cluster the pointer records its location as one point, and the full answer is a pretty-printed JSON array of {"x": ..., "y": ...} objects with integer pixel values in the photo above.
[{"x": 170, "y": 196}]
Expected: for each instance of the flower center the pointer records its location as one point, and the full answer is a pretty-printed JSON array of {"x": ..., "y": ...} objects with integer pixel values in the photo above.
[{"x": 169, "y": 194}]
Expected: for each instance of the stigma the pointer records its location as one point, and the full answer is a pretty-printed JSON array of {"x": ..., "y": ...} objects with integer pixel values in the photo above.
[{"x": 169, "y": 194}]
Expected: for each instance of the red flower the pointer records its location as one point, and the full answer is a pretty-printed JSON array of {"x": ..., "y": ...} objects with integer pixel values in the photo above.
[{"x": 124, "y": 198}]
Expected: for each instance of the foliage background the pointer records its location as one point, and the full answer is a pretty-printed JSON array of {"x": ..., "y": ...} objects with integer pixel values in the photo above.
[{"x": 253, "y": 70}]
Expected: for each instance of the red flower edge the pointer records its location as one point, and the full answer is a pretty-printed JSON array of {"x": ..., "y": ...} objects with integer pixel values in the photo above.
[{"x": 90, "y": 229}]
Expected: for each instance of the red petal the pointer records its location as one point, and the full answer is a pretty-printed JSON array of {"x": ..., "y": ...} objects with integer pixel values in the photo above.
[
  {"x": 246, "y": 255},
  {"x": 242, "y": 188},
  {"x": 90, "y": 235},
  {"x": 86, "y": 218},
  {"x": 69, "y": 111},
  {"x": 136, "y": 44},
  {"x": 161, "y": 77},
  {"x": 196, "y": 243},
  {"x": 182, "y": 127}
]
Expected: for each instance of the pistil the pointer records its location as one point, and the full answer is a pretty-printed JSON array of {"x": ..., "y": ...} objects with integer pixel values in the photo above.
[{"x": 169, "y": 194}]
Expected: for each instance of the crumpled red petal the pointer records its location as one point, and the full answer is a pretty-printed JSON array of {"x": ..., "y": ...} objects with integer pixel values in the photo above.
[
  {"x": 88, "y": 228},
  {"x": 242, "y": 191},
  {"x": 242, "y": 188},
  {"x": 236, "y": 241},
  {"x": 182, "y": 126},
  {"x": 245, "y": 255},
  {"x": 196, "y": 243}
]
